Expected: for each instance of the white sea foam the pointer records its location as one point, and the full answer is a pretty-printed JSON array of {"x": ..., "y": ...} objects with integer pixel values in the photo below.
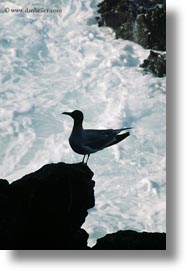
[{"x": 52, "y": 63}]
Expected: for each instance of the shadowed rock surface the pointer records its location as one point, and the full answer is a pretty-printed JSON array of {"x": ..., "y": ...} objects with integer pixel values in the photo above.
[
  {"x": 155, "y": 63},
  {"x": 45, "y": 209},
  {"x": 132, "y": 240},
  {"x": 141, "y": 21}
]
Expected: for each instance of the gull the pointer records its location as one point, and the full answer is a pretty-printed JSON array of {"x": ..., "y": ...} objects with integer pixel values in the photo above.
[{"x": 89, "y": 141}]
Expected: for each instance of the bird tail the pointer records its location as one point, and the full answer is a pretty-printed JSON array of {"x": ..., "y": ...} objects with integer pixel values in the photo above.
[{"x": 119, "y": 138}]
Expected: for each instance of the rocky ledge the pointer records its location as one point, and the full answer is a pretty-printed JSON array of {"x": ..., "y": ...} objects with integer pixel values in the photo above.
[
  {"x": 132, "y": 240},
  {"x": 142, "y": 21},
  {"x": 46, "y": 209}
]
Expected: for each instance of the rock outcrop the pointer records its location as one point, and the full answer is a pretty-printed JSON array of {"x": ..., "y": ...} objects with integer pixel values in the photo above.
[
  {"x": 143, "y": 22},
  {"x": 155, "y": 63},
  {"x": 46, "y": 209},
  {"x": 132, "y": 240}
]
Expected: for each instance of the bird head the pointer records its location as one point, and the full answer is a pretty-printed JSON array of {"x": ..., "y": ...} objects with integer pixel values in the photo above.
[{"x": 76, "y": 115}]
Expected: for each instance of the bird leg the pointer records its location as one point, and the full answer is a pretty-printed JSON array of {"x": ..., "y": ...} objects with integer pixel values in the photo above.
[
  {"x": 83, "y": 159},
  {"x": 87, "y": 159}
]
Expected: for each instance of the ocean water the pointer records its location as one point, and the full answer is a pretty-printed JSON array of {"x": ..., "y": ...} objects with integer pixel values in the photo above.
[{"x": 55, "y": 62}]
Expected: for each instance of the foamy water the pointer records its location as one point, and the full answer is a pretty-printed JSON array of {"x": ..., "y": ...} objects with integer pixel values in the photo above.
[{"x": 50, "y": 63}]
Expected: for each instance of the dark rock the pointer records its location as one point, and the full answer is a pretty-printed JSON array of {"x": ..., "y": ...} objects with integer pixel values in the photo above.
[
  {"x": 46, "y": 209},
  {"x": 150, "y": 29},
  {"x": 132, "y": 240},
  {"x": 142, "y": 21},
  {"x": 155, "y": 63},
  {"x": 5, "y": 207}
]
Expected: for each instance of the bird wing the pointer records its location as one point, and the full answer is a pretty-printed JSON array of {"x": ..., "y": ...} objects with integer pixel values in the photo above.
[
  {"x": 98, "y": 139},
  {"x": 94, "y": 133}
]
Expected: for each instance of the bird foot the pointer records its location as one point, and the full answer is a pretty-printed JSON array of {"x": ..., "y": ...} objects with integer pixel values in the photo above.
[{"x": 84, "y": 163}]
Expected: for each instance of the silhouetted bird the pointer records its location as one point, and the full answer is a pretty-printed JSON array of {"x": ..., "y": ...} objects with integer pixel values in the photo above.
[{"x": 88, "y": 141}]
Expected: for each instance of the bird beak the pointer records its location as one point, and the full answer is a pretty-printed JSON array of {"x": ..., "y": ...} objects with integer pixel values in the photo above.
[{"x": 67, "y": 113}]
